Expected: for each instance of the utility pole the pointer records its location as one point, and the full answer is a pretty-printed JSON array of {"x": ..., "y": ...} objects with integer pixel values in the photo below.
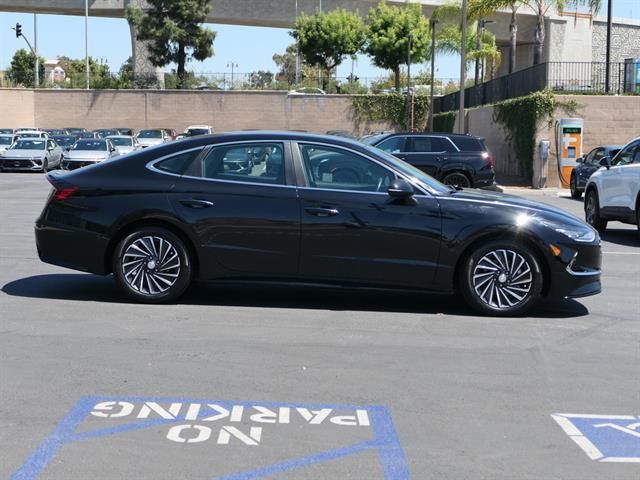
[
  {"x": 433, "y": 71},
  {"x": 479, "y": 34},
  {"x": 409, "y": 92},
  {"x": 463, "y": 65},
  {"x": 233, "y": 66},
  {"x": 86, "y": 42},
  {"x": 36, "y": 65},
  {"x": 607, "y": 87},
  {"x": 297, "y": 52},
  {"x": 18, "y": 30}
]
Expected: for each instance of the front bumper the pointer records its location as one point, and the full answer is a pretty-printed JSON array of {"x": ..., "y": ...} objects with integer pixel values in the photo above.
[
  {"x": 74, "y": 164},
  {"x": 21, "y": 164},
  {"x": 576, "y": 271}
]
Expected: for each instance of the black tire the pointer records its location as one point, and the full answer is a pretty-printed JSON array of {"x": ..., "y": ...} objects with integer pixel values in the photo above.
[
  {"x": 575, "y": 193},
  {"x": 511, "y": 289},
  {"x": 45, "y": 166},
  {"x": 457, "y": 179},
  {"x": 155, "y": 282},
  {"x": 592, "y": 211}
]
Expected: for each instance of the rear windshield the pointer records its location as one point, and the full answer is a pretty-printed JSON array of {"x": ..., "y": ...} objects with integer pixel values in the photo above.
[
  {"x": 6, "y": 140},
  {"x": 198, "y": 131},
  {"x": 65, "y": 141},
  {"x": 469, "y": 144},
  {"x": 122, "y": 142}
]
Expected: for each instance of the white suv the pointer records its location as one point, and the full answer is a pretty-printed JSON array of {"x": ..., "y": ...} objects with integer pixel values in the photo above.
[{"x": 613, "y": 192}]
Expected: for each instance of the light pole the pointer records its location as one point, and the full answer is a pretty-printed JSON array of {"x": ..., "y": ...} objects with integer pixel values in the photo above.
[
  {"x": 233, "y": 66},
  {"x": 86, "y": 42},
  {"x": 409, "y": 93},
  {"x": 297, "y": 53},
  {"x": 463, "y": 65},
  {"x": 433, "y": 71},
  {"x": 35, "y": 48},
  {"x": 607, "y": 87}
]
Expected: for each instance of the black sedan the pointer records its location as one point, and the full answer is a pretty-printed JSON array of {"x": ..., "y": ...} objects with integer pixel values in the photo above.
[
  {"x": 319, "y": 209},
  {"x": 588, "y": 165}
]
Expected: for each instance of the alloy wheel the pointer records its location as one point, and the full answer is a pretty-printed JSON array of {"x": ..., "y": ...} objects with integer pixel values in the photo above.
[
  {"x": 457, "y": 180},
  {"x": 151, "y": 265},
  {"x": 502, "y": 279},
  {"x": 590, "y": 209}
]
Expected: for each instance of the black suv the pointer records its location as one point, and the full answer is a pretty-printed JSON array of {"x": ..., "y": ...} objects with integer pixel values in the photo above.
[{"x": 454, "y": 159}]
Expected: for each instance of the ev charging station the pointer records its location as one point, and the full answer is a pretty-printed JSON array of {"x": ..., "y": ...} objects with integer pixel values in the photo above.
[{"x": 569, "y": 133}]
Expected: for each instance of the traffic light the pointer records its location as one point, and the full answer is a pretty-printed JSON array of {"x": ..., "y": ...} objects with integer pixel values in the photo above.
[{"x": 18, "y": 30}]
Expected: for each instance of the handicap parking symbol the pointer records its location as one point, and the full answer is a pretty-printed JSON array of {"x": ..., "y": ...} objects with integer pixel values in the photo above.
[{"x": 605, "y": 438}]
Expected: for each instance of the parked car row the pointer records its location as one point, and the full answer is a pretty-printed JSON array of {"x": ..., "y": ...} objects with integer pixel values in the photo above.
[{"x": 31, "y": 149}]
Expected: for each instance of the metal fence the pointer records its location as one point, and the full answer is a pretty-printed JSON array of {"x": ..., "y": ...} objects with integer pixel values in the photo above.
[{"x": 560, "y": 77}]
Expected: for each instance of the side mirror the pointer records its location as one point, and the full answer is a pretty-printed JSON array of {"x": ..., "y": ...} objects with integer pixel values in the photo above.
[
  {"x": 400, "y": 188},
  {"x": 605, "y": 162},
  {"x": 580, "y": 160}
]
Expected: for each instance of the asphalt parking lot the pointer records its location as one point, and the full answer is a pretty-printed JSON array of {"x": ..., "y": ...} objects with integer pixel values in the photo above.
[{"x": 253, "y": 382}]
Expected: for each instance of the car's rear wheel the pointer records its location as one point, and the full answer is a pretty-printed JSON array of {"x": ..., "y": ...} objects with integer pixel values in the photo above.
[
  {"x": 501, "y": 278},
  {"x": 592, "y": 212},
  {"x": 575, "y": 193},
  {"x": 152, "y": 265},
  {"x": 457, "y": 179}
]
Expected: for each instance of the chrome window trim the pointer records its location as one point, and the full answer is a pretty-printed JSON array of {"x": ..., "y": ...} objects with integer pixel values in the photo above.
[
  {"x": 151, "y": 164},
  {"x": 421, "y": 188}
]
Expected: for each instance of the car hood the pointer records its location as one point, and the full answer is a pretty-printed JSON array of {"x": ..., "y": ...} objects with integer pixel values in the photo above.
[
  {"x": 24, "y": 153},
  {"x": 85, "y": 155},
  {"x": 504, "y": 200},
  {"x": 124, "y": 150},
  {"x": 146, "y": 142}
]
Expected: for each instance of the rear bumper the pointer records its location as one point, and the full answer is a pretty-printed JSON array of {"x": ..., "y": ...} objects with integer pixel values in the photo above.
[
  {"x": 484, "y": 179},
  {"x": 71, "y": 248}
]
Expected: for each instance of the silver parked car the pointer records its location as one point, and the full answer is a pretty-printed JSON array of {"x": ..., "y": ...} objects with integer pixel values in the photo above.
[
  {"x": 6, "y": 140},
  {"x": 88, "y": 151},
  {"x": 151, "y": 137},
  {"x": 34, "y": 154},
  {"x": 125, "y": 143}
]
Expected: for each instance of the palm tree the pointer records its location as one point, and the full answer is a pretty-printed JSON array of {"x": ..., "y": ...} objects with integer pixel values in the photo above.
[{"x": 541, "y": 8}]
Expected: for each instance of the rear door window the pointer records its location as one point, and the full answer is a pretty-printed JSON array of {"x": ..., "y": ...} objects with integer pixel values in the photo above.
[
  {"x": 393, "y": 145},
  {"x": 469, "y": 144},
  {"x": 249, "y": 162},
  {"x": 424, "y": 144}
]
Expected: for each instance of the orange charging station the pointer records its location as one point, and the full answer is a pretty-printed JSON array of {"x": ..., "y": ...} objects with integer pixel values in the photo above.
[{"x": 569, "y": 133}]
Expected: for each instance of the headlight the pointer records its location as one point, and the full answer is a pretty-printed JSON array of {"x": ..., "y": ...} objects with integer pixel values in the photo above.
[{"x": 574, "y": 232}]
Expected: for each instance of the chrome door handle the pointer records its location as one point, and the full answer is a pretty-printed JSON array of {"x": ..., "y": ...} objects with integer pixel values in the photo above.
[
  {"x": 197, "y": 203},
  {"x": 322, "y": 212}
]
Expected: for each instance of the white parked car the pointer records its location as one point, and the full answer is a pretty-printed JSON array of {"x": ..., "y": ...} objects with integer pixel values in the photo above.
[
  {"x": 613, "y": 192},
  {"x": 32, "y": 134},
  {"x": 125, "y": 143},
  {"x": 152, "y": 136},
  {"x": 31, "y": 154},
  {"x": 193, "y": 130},
  {"x": 88, "y": 151},
  {"x": 6, "y": 140}
]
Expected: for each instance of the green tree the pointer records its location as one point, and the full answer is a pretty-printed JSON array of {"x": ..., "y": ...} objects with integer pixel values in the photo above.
[
  {"x": 174, "y": 32},
  {"x": 260, "y": 79},
  {"x": 390, "y": 30},
  {"x": 21, "y": 71},
  {"x": 286, "y": 62},
  {"x": 540, "y": 9},
  {"x": 326, "y": 39},
  {"x": 479, "y": 9}
]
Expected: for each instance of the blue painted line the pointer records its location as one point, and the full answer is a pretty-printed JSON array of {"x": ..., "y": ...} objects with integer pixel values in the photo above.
[
  {"x": 50, "y": 446},
  {"x": 301, "y": 462},
  {"x": 385, "y": 440}
]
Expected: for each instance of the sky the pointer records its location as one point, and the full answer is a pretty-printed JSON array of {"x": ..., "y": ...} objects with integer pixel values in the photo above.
[{"x": 251, "y": 48}]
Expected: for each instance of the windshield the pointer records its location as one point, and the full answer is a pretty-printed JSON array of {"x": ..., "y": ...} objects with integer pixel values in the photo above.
[
  {"x": 150, "y": 134},
  {"x": 30, "y": 135},
  {"x": 197, "y": 131},
  {"x": 29, "y": 145},
  {"x": 90, "y": 145},
  {"x": 122, "y": 142},
  {"x": 5, "y": 140},
  {"x": 65, "y": 141},
  {"x": 410, "y": 170},
  {"x": 371, "y": 139}
]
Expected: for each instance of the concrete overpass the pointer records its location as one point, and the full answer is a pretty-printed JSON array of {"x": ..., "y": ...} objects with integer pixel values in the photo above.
[{"x": 562, "y": 34}]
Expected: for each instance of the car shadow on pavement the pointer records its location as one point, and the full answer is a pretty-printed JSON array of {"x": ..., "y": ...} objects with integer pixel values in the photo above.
[{"x": 94, "y": 288}]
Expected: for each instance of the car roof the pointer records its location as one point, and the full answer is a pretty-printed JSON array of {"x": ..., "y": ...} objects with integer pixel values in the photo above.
[{"x": 120, "y": 136}]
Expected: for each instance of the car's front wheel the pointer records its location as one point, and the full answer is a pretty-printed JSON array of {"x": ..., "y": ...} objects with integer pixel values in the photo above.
[
  {"x": 501, "y": 278},
  {"x": 592, "y": 212},
  {"x": 152, "y": 265}
]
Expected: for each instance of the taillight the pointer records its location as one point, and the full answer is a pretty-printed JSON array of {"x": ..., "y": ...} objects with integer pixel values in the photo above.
[
  {"x": 64, "y": 193},
  {"x": 62, "y": 189},
  {"x": 489, "y": 158}
]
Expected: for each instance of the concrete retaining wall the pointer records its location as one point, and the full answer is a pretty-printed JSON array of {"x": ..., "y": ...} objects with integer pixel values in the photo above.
[{"x": 225, "y": 111}]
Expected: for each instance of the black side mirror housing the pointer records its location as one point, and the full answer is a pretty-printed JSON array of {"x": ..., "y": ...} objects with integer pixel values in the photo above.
[
  {"x": 580, "y": 160},
  {"x": 400, "y": 188},
  {"x": 605, "y": 162}
]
